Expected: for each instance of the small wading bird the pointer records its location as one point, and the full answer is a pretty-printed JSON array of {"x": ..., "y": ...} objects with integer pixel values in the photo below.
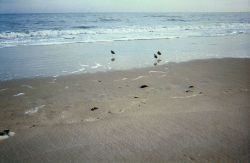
[
  {"x": 112, "y": 52},
  {"x": 158, "y": 58}
]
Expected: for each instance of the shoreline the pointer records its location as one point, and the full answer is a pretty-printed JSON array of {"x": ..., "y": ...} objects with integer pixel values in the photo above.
[
  {"x": 196, "y": 111},
  {"x": 118, "y": 71},
  {"x": 53, "y": 60}
]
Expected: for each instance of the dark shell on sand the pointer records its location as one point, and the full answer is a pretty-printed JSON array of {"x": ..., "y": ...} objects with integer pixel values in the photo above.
[
  {"x": 143, "y": 86},
  {"x": 94, "y": 108},
  {"x": 187, "y": 91}
]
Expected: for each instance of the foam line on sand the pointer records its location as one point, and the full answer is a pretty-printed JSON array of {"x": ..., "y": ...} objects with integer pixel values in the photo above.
[
  {"x": 123, "y": 79},
  {"x": 176, "y": 97},
  {"x": 27, "y": 86},
  {"x": 19, "y": 94},
  {"x": 97, "y": 65},
  {"x": 34, "y": 110},
  {"x": 162, "y": 72},
  {"x": 137, "y": 78},
  {"x": 4, "y": 89},
  {"x": 79, "y": 70}
]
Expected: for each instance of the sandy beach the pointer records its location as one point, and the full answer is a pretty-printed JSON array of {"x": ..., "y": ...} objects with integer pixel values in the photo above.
[{"x": 197, "y": 111}]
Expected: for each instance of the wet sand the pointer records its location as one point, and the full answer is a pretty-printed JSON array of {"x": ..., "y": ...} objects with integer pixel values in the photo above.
[{"x": 196, "y": 111}]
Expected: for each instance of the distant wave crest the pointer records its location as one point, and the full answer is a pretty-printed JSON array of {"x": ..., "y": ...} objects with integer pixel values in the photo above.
[
  {"x": 104, "y": 19},
  {"x": 84, "y": 33},
  {"x": 84, "y": 27}
]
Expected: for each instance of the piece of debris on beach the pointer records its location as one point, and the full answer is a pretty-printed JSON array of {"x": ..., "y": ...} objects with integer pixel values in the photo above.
[
  {"x": 188, "y": 91},
  {"x": 5, "y": 134},
  {"x": 144, "y": 86},
  {"x": 94, "y": 108}
]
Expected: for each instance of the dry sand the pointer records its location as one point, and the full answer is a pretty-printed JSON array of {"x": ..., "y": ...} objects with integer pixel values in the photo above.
[{"x": 165, "y": 122}]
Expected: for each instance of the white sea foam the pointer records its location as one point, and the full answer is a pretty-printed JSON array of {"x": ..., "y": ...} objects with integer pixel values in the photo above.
[
  {"x": 4, "y": 89},
  {"x": 34, "y": 110},
  {"x": 79, "y": 70},
  {"x": 90, "y": 119},
  {"x": 162, "y": 72},
  {"x": 84, "y": 65},
  {"x": 123, "y": 79},
  {"x": 137, "y": 78},
  {"x": 162, "y": 76},
  {"x": 97, "y": 65},
  {"x": 181, "y": 97},
  {"x": 19, "y": 94},
  {"x": 27, "y": 86},
  {"x": 53, "y": 81}
]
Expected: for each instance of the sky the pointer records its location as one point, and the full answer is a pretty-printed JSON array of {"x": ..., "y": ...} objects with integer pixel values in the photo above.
[{"x": 58, "y": 6}]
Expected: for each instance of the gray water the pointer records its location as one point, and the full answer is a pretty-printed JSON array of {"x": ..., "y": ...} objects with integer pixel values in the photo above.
[
  {"x": 34, "y": 45},
  {"x": 47, "y": 29}
]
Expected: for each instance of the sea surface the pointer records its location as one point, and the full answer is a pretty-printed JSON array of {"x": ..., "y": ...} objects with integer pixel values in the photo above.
[
  {"x": 44, "y": 29},
  {"x": 38, "y": 45}
]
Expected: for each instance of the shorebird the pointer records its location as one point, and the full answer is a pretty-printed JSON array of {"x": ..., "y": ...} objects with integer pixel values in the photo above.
[
  {"x": 159, "y": 53},
  {"x": 155, "y": 56},
  {"x": 112, "y": 52}
]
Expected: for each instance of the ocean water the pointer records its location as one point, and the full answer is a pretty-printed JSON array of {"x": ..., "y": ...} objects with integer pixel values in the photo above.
[
  {"x": 39, "y": 45},
  {"x": 45, "y": 29}
]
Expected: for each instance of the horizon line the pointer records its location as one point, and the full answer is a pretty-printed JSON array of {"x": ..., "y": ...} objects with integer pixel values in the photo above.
[{"x": 125, "y": 12}]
